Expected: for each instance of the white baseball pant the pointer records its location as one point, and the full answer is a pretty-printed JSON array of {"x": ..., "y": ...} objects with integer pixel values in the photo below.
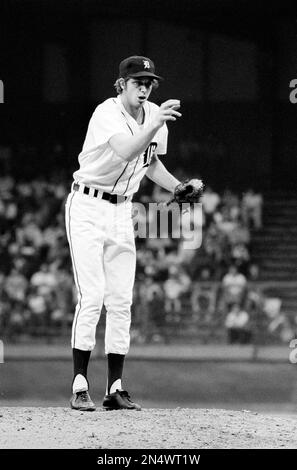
[{"x": 102, "y": 247}]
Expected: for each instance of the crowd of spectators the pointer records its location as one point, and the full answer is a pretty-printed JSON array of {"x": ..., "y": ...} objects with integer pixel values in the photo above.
[
  {"x": 213, "y": 288},
  {"x": 36, "y": 287},
  {"x": 202, "y": 286}
]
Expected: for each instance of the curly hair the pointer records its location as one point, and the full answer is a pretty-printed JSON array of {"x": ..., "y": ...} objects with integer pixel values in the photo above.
[{"x": 119, "y": 89}]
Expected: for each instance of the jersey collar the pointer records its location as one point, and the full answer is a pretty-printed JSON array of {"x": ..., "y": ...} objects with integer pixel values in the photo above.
[{"x": 128, "y": 116}]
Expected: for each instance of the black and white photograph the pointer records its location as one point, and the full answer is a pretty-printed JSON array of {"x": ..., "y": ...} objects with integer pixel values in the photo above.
[{"x": 148, "y": 228}]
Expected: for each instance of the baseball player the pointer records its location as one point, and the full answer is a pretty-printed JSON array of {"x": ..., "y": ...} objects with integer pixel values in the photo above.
[{"x": 124, "y": 138}]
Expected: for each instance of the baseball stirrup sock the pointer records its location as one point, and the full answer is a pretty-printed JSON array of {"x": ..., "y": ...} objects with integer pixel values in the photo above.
[
  {"x": 117, "y": 385},
  {"x": 115, "y": 364},
  {"x": 80, "y": 363},
  {"x": 80, "y": 384}
]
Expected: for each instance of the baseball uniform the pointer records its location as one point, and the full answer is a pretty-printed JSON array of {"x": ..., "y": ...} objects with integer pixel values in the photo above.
[
  {"x": 100, "y": 233},
  {"x": 123, "y": 135}
]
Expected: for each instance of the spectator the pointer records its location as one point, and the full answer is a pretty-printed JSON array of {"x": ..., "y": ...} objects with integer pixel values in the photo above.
[
  {"x": 234, "y": 286},
  {"x": 237, "y": 324},
  {"x": 215, "y": 245},
  {"x": 29, "y": 232},
  {"x": 38, "y": 311},
  {"x": 253, "y": 272},
  {"x": 16, "y": 321},
  {"x": 210, "y": 202},
  {"x": 204, "y": 297},
  {"x": 63, "y": 297},
  {"x": 5, "y": 257},
  {"x": 239, "y": 234},
  {"x": 252, "y": 209},
  {"x": 52, "y": 233},
  {"x": 16, "y": 286},
  {"x": 225, "y": 223},
  {"x": 254, "y": 303},
  {"x": 44, "y": 280},
  {"x": 240, "y": 257},
  {"x": 281, "y": 328},
  {"x": 58, "y": 249},
  {"x": 42, "y": 305},
  {"x": 149, "y": 290},
  {"x": 176, "y": 284},
  {"x": 157, "y": 318},
  {"x": 231, "y": 203}
]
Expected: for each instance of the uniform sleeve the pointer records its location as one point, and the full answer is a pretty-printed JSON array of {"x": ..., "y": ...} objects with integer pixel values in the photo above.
[
  {"x": 161, "y": 139},
  {"x": 162, "y": 135},
  {"x": 105, "y": 123}
]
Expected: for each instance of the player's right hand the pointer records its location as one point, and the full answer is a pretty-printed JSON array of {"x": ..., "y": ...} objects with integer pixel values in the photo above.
[{"x": 168, "y": 112}]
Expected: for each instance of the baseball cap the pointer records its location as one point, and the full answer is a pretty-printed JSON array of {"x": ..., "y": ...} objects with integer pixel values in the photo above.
[{"x": 137, "y": 66}]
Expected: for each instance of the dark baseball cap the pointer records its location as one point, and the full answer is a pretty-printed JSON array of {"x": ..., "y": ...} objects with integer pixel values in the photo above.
[{"x": 137, "y": 66}]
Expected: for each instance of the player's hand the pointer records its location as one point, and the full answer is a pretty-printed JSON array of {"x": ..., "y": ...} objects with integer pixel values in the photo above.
[{"x": 167, "y": 112}]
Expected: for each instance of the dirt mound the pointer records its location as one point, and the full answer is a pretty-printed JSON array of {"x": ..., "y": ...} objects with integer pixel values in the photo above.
[{"x": 179, "y": 428}]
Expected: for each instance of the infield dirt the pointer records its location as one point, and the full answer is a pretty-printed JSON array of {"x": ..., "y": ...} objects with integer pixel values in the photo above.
[{"x": 179, "y": 428}]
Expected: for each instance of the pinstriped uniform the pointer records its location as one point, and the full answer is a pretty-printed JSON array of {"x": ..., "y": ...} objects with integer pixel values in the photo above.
[{"x": 100, "y": 233}]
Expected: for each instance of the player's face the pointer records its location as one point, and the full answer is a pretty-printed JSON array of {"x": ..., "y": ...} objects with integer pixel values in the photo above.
[{"x": 137, "y": 90}]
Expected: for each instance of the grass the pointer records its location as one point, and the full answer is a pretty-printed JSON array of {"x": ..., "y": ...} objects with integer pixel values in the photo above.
[{"x": 161, "y": 383}]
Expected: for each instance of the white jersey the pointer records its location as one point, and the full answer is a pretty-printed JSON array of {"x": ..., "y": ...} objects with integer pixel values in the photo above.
[{"x": 104, "y": 169}]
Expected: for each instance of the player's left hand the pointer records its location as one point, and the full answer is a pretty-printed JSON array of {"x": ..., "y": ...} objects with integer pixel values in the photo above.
[{"x": 188, "y": 191}]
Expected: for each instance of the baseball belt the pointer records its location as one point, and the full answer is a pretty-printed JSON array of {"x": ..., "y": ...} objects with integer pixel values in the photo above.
[{"x": 93, "y": 192}]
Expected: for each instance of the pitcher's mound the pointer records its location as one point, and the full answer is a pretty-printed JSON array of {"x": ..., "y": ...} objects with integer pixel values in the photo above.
[{"x": 179, "y": 428}]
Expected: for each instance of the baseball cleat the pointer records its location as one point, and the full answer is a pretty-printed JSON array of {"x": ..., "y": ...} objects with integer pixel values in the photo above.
[
  {"x": 119, "y": 400},
  {"x": 82, "y": 401}
]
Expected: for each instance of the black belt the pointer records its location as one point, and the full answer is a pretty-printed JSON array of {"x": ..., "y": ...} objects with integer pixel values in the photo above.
[{"x": 113, "y": 198}]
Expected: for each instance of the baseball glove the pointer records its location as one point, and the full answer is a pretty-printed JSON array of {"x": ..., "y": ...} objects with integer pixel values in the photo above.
[{"x": 187, "y": 192}]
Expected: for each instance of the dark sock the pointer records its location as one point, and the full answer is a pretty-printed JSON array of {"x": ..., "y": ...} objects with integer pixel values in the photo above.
[
  {"x": 80, "y": 362},
  {"x": 115, "y": 364}
]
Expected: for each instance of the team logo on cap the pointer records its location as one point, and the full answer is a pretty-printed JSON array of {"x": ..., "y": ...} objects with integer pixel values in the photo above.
[{"x": 146, "y": 64}]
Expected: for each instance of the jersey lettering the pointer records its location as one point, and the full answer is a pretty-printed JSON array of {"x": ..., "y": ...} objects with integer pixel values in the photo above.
[{"x": 147, "y": 156}]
